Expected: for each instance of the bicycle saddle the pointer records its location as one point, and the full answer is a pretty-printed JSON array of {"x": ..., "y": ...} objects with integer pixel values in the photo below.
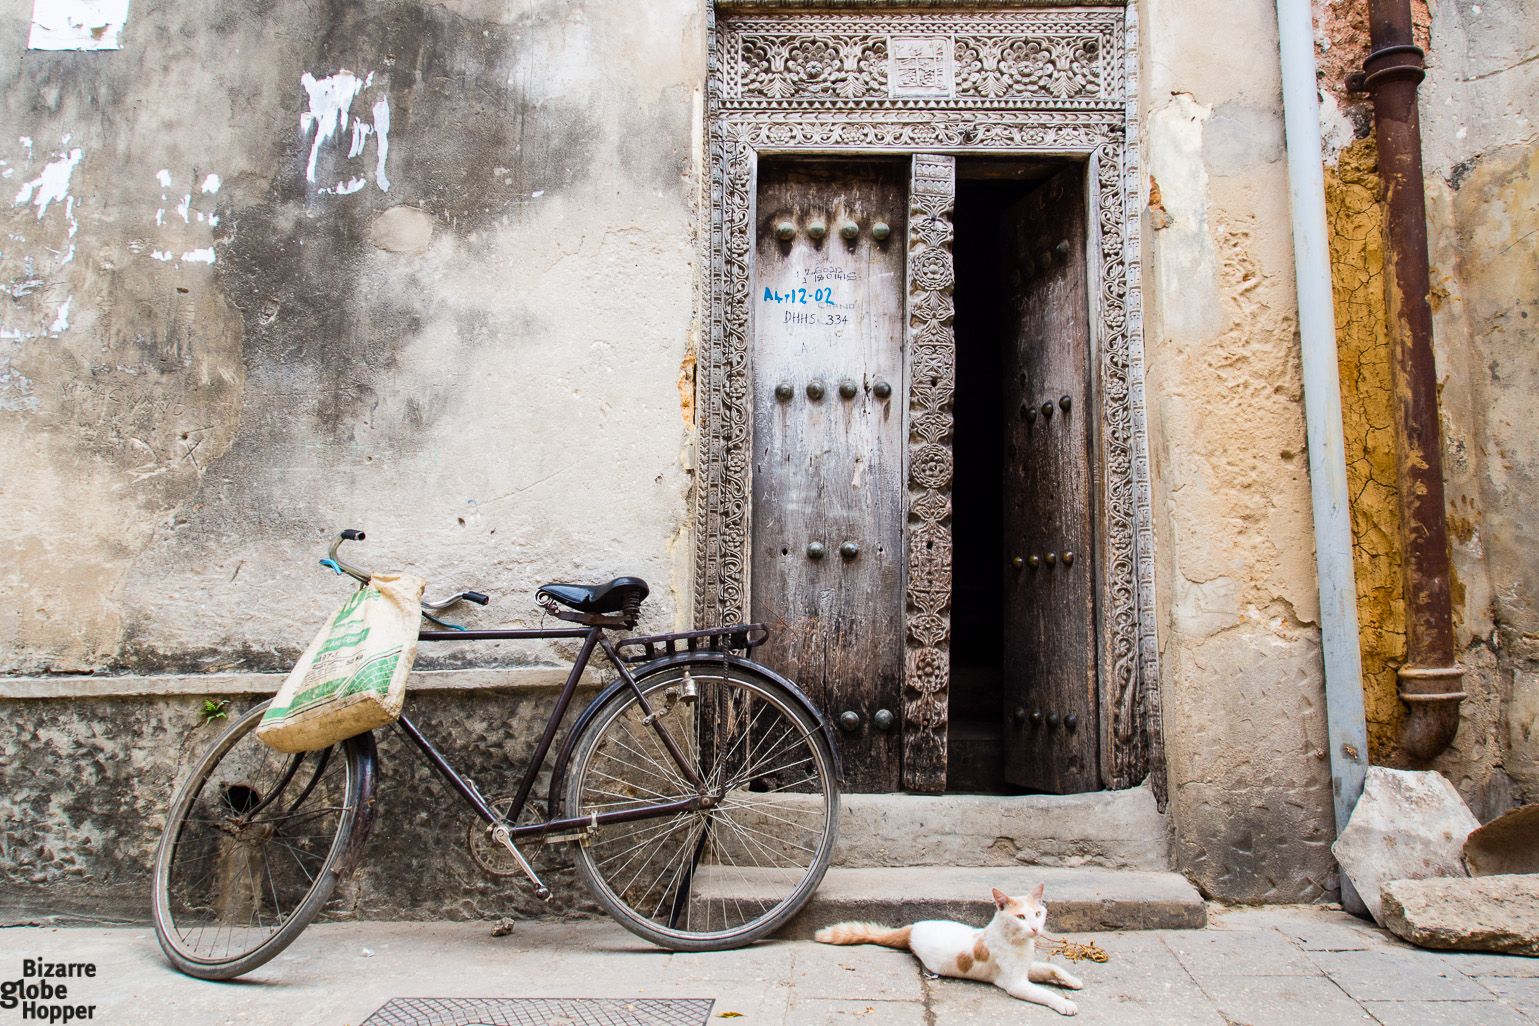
[{"x": 597, "y": 598}]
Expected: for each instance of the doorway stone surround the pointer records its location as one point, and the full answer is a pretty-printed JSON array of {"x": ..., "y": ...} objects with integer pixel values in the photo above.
[{"x": 935, "y": 80}]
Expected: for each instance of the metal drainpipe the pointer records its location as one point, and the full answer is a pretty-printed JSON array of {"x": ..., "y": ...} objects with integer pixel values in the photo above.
[
  {"x": 1346, "y": 724},
  {"x": 1429, "y": 680}
]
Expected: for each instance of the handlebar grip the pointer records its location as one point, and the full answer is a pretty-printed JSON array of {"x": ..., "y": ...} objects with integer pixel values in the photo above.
[
  {"x": 476, "y": 597},
  {"x": 352, "y": 535}
]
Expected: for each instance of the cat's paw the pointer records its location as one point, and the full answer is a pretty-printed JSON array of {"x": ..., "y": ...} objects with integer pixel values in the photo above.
[
  {"x": 1072, "y": 982},
  {"x": 1066, "y": 1008}
]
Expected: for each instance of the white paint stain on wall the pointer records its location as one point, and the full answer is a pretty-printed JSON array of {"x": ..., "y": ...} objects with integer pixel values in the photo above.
[
  {"x": 77, "y": 24},
  {"x": 330, "y": 99},
  {"x": 52, "y": 185},
  {"x": 382, "y": 132},
  {"x": 202, "y": 254},
  {"x": 61, "y": 322},
  {"x": 330, "y": 117}
]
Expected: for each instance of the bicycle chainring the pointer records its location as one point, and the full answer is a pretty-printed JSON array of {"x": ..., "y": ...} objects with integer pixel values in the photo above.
[{"x": 486, "y": 853}]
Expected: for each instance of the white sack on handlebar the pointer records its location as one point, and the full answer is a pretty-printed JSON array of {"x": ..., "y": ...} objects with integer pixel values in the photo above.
[{"x": 352, "y": 678}]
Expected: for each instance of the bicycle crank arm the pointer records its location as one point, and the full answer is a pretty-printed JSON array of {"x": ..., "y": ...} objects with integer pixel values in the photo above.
[{"x": 501, "y": 836}]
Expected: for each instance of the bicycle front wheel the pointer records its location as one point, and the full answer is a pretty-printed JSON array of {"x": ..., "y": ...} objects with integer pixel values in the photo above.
[
  {"x": 717, "y": 877},
  {"x": 250, "y": 848}
]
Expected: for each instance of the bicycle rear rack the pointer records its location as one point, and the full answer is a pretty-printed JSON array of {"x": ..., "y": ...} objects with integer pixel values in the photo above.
[{"x": 743, "y": 636}]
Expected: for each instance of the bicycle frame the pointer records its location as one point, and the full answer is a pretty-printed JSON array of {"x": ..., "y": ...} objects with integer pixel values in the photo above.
[{"x": 592, "y": 637}]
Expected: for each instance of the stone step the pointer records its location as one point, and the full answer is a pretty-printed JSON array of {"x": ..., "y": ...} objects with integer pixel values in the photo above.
[
  {"x": 1109, "y": 829},
  {"x": 1080, "y": 900}
]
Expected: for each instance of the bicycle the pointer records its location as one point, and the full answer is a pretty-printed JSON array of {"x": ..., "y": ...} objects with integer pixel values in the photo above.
[{"x": 698, "y": 795}]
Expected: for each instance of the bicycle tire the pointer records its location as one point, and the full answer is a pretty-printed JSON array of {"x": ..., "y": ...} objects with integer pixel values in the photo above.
[
  {"x": 717, "y": 878},
  {"x": 227, "y": 855}
]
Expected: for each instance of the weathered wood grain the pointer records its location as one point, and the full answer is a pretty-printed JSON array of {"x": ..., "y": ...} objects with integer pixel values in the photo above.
[
  {"x": 1050, "y": 665},
  {"x": 829, "y": 470}
]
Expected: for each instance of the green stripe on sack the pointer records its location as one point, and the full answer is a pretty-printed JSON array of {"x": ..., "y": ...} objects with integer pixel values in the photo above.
[
  {"x": 373, "y": 675},
  {"x": 341, "y": 641}
]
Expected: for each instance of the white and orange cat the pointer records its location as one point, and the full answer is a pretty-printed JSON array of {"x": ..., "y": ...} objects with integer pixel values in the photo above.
[{"x": 1000, "y": 953}]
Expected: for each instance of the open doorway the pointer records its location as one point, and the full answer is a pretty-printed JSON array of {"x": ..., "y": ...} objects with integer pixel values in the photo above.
[{"x": 985, "y": 258}]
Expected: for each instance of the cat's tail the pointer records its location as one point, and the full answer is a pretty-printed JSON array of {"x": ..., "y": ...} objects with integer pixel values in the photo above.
[{"x": 864, "y": 933}]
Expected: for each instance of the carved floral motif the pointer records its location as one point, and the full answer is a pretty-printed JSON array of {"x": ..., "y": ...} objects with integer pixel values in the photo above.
[
  {"x": 1037, "y": 58},
  {"x": 932, "y": 354},
  {"x": 1065, "y": 67}
]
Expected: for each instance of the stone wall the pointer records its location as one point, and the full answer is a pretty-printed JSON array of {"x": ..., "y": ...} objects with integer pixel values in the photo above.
[
  {"x": 275, "y": 269},
  {"x": 1477, "y": 142},
  {"x": 1244, "y": 693},
  {"x": 88, "y": 783}
]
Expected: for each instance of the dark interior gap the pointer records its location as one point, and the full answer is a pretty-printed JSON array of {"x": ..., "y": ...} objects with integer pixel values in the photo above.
[{"x": 975, "y": 732}]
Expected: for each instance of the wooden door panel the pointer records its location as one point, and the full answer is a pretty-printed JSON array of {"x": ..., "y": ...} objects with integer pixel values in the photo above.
[
  {"x": 1050, "y": 701},
  {"x": 828, "y": 468}
]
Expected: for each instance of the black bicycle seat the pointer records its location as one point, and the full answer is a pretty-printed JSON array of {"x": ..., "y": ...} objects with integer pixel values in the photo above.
[{"x": 597, "y": 598}]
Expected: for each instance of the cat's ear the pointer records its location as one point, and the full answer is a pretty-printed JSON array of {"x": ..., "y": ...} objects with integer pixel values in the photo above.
[
  {"x": 1036, "y": 893},
  {"x": 1001, "y": 899}
]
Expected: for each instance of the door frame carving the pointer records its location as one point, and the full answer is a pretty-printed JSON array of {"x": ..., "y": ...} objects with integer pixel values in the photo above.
[{"x": 1030, "y": 78}]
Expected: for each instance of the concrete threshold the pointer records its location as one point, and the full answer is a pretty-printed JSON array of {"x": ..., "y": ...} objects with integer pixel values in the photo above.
[
  {"x": 1079, "y": 900},
  {"x": 1107, "y": 829}
]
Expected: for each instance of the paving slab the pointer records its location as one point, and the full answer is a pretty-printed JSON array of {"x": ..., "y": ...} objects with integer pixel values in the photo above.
[
  {"x": 863, "y": 971},
  {"x": 1479, "y": 964},
  {"x": 1311, "y": 927},
  {"x": 1520, "y": 992},
  {"x": 1398, "y": 976},
  {"x": 1078, "y": 900},
  {"x": 1215, "y": 954},
  {"x": 338, "y": 974},
  {"x": 824, "y": 1012},
  {"x": 1280, "y": 1000},
  {"x": 1446, "y": 1013},
  {"x": 970, "y": 1003}
]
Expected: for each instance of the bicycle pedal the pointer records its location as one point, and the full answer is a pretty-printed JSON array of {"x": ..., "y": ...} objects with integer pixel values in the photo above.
[{"x": 501, "y": 836}]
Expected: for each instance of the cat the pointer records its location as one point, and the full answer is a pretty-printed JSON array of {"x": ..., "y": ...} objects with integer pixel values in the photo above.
[{"x": 1000, "y": 953}]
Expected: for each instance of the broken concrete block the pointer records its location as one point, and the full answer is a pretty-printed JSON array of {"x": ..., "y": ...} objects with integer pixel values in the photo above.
[
  {"x": 1407, "y": 826},
  {"x": 1492, "y": 913},
  {"x": 1508, "y": 844}
]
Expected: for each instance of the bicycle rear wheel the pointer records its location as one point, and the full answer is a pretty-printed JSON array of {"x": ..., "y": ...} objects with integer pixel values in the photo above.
[
  {"x": 720, "y": 877},
  {"x": 250, "y": 849}
]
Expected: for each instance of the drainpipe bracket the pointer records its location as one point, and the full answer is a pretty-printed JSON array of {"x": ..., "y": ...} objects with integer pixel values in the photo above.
[{"x": 1389, "y": 64}]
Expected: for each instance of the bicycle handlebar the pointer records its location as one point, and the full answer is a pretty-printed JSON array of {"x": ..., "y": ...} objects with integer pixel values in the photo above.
[{"x": 362, "y": 576}]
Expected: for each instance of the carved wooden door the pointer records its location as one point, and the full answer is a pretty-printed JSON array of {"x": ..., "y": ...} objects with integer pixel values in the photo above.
[
  {"x": 828, "y": 445},
  {"x": 1050, "y": 707}
]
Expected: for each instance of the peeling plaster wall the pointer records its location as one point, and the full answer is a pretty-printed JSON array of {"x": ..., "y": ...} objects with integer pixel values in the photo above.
[
  {"x": 274, "y": 269},
  {"x": 1478, "y": 136},
  {"x": 1480, "y": 105},
  {"x": 1354, "y": 209},
  {"x": 1240, "y": 650}
]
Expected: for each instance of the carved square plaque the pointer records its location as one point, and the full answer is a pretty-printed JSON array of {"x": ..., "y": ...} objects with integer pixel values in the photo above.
[{"x": 920, "y": 67}]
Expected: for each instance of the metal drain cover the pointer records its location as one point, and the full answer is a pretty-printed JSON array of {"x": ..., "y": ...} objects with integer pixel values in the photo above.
[{"x": 543, "y": 1012}]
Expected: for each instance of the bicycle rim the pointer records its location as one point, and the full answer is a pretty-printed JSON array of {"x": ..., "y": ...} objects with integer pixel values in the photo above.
[
  {"x": 714, "y": 878},
  {"x": 248, "y": 852}
]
